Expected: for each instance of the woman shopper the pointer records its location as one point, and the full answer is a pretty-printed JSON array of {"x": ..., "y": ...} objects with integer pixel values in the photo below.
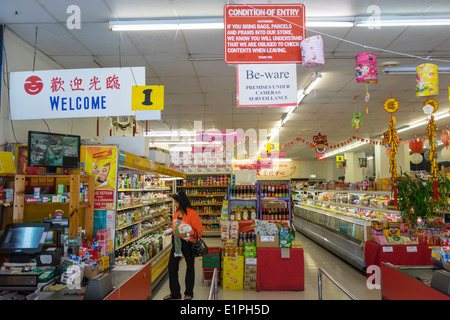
[{"x": 185, "y": 221}]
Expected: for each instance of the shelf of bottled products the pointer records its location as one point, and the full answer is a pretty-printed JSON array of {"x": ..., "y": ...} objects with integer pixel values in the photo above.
[{"x": 206, "y": 194}]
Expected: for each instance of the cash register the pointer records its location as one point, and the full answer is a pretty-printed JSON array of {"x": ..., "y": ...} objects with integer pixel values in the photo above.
[{"x": 23, "y": 242}]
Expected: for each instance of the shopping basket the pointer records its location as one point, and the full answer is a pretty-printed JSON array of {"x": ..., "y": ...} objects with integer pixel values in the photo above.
[{"x": 211, "y": 261}]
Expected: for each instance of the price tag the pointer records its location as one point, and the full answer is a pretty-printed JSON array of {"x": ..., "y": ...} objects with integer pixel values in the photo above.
[
  {"x": 411, "y": 249},
  {"x": 388, "y": 249},
  {"x": 267, "y": 238}
]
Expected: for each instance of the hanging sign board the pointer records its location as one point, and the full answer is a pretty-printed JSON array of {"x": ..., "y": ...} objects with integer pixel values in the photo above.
[
  {"x": 272, "y": 85},
  {"x": 263, "y": 33},
  {"x": 147, "y": 98},
  {"x": 73, "y": 93}
]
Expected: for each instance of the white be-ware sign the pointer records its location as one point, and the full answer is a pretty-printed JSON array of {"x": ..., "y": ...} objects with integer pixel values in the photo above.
[
  {"x": 73, "y": 93},
  {"x": 261, "y": 85}
]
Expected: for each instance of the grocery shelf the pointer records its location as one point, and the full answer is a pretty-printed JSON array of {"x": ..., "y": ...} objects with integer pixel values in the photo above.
[
  {"x": 147, "y": 203},
  {"x": 143, "y": 189},
  {"x": 206, "y": 195},
  {"x": 6, "y": 204},
  {"x": 142, "y": 220},
  {"x": 213, "y": 186},
  {"x": 209, "y": 214},
  {"x": 211, "y": 233},
  {"x": 146, "y": 232},
  {"x": 210, "y": 222},
  {"x": 206, "y": 204},
  {"x": 275, "y": 198}
]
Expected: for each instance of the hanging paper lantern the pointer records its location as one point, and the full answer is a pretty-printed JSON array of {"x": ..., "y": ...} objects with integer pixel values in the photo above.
[
  {"x": 366, "y": 68},
  {"x": 445, "y": 138},
  {"x": 320, "y": 143},
  {"x": 430, "y": 106},
  {"x": 391, "y": 105},
  {"x": 312, "y": 52},
  {"x": 356, "y": 121},
  {"x": 416, "y": 146},
  {"x": 427, "y": 80}
]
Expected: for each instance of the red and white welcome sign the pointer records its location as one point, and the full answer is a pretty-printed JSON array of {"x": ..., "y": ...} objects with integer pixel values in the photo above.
[{"x": 263, "y": 33}]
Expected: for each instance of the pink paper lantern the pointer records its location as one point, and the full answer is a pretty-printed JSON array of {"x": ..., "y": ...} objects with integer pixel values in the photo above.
[
  {"x": 312, "y": 52},
  {"x": 366, "y": 68}
]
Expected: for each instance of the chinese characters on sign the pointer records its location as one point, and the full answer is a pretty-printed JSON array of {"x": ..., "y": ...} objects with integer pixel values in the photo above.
[{"x": 74, "y": 93}]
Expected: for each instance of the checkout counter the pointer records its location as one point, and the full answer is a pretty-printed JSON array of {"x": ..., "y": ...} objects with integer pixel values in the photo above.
[
  {"x": 32, "y": 273},
  {"x": 414, "y": 282}
]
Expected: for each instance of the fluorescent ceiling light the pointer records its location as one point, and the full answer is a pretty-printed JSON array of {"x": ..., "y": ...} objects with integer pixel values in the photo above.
[
  {"x": 353, "y": 146},
  {"x": 403, "y": 21},
  {"x": 169, "y": 134},
  {"x": 167, "y": 24},
  {"x": 313, "y": 83},
  {"x": 312, "y": 22},
  {"x": 329, "y": 24},
  {"x": 424, "y": 122},
  {"x": 185, "y": 142},
  {"x": 410, "y": 70},
  {"x": 300, "y": 95}
]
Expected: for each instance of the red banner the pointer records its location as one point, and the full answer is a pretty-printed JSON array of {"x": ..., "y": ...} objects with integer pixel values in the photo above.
[{"x": 263, "y": 33}]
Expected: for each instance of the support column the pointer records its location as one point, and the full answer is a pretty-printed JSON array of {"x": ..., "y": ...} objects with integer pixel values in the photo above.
[{"x": 353, "y": 173}]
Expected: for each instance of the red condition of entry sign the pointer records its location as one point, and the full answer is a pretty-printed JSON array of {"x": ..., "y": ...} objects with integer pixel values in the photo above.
[{"x": 263, "y": 33}]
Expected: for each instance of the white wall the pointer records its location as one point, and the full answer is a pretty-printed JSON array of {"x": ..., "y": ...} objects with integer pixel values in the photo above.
[
  {"x": 19, "y": 57},
  {"x": 325, "y": 169}
]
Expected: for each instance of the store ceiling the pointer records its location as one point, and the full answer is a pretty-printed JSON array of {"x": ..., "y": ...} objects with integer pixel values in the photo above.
[{"x": 206, "y": 90}]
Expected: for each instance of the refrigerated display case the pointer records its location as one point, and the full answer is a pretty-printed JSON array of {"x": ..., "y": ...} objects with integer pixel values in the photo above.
[{"x": 340, "y": 220}]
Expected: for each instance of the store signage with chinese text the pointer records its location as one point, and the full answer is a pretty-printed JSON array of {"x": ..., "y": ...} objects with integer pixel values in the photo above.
[
  {"x": 73, "y": 93},
  {"x": 273, "y": 85},
  {"x": 263, "y": 33}
]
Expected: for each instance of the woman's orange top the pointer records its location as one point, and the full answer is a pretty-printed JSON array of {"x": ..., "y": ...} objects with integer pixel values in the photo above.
[{"x": 191, "y": 218}]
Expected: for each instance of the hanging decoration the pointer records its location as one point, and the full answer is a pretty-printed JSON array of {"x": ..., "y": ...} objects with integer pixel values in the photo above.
[
  {"x": 430, "y": 106},
  {"x": 445, "y": 138},
  {"x": 320, "y": 143},
  {"x": 356, "y": 121},
  {"x": 390, "y": 138},
  {"x": 362, "y": 162},
  {"x": 416, "y": 146},
  {"x": 312, "y": 52},
  {"x": 416, "y": 158},
  {"x": 427, "y": 80},
  {"x": 391, "y": 105},
  {"x": 366, "y": 72},
  {"x": 431, "y": 133}
]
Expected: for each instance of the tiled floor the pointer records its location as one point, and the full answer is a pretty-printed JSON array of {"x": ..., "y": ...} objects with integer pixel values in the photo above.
[{"x": 315, "y": 256}]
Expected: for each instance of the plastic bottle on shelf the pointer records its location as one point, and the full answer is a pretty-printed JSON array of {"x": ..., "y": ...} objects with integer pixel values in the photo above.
[
  {"x": 253, "y": 213},
  {"x": 238, "y": 213},
  {"x": 245, "y": 213}
]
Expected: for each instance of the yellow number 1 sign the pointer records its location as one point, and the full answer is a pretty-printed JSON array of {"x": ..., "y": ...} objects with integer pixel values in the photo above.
[{"x": 147, "y": 98}]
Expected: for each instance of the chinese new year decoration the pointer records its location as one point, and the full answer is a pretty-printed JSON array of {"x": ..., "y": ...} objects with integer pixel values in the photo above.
[{"x": 356, "y": 121}]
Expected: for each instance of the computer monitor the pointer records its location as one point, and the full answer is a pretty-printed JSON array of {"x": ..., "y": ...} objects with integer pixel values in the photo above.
[
  {"x": 23, "y": 240},
  {"x": 53, "y": 150}
]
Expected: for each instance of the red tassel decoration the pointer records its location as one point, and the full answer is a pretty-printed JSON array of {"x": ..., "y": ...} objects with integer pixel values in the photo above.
[
  {"x": 435, "y": 190},
  {"x": 395, "y": 194}
]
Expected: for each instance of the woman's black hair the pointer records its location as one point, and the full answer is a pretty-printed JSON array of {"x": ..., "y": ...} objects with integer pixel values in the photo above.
[{"x": 182, "y": 200}]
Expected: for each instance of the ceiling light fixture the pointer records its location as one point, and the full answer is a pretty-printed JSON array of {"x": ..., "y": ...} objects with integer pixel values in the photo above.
[
  {"x": 167, "y": 24},
  {"x": 424, "y": 122},
  {"x": 312, "y": 22},
  {"x": 353, "y": 146},
  {"x": 313, "y": 83},
  {"x": 169, "y": 134},
  {"x": 410, "y": 70}
]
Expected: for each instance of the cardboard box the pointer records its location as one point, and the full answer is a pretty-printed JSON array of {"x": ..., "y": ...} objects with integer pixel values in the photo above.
[
  {"x": 91, "y": 271},
  {"x": 249, "y": 277},
  {"x": 390, "y": 233},
  {"x": 377, "y": 225},
  {"x": 267, "y": 242},
  {"x": 250, "y": 269},
  {"x": 251, "y": 261},
  {"x": 229, "y": 242},
  {"x": 233, "y": 265},
  {"x": 233, "y": 282},
  {"x": 249, "y": 285}
]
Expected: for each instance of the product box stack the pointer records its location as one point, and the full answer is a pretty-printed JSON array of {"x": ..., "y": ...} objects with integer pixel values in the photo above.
[
  {"x": 391, "y": 233},
  {"x": 229, "y": 233},
  {"x": 250, "y": 273},
  {"x": 233, "y": 272}
]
